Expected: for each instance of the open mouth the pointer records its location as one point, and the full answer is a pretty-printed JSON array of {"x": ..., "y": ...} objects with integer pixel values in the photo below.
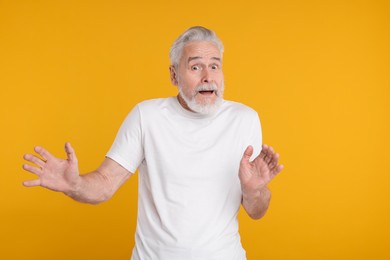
[{"x": 206, "y": 92}]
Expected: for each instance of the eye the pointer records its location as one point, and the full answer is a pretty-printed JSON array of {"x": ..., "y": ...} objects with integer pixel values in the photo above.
[
  {"x": 214, "y": 67},
  {"x": 195, "y": 67}
]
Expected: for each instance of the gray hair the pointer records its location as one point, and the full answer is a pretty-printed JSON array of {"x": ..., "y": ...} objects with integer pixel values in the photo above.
[{"x": 196, "y": 33}]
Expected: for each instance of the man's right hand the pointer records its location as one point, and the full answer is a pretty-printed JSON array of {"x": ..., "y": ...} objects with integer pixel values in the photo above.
[{"x": 53, "y": 173}]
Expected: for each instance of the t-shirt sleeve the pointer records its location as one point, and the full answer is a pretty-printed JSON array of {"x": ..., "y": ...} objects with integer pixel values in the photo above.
[
  {"x": 255, "y": 136},
  {"x": 127, "y": 149}
]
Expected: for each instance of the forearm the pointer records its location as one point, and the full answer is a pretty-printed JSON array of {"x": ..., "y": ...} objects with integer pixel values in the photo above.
[
  {"x": 256, "y": 202},
  {"x": 100, "y": 185},
  {"x": 91, "y": 188}
]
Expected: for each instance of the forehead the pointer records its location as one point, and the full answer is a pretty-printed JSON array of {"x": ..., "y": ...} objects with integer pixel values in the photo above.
[{"x": 202, "y": 49}]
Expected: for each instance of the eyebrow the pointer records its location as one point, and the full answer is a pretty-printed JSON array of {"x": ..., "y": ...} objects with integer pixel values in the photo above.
[{"x": 198, "y": 57}]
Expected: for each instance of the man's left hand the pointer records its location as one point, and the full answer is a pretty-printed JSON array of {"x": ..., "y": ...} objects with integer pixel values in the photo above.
[{"x": 255, "y": 175}]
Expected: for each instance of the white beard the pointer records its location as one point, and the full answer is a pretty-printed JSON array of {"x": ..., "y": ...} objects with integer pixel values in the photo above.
[{"x": 207, "y": 108}]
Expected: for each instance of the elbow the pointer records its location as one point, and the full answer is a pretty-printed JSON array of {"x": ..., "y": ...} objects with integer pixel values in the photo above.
[
  {"x": 105, "y": 196},
  {"x": 105, "y": 190},
  {"x": 257, "y": 215},
  {"x": 96, "y": 201},
  {"x": 92, "y": 201}
]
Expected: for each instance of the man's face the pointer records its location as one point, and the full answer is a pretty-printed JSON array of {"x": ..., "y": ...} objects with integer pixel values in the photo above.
[{"x": 199, "y": 77}]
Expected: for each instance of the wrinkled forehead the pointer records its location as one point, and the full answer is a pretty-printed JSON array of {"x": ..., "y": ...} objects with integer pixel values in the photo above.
[{"x": 205, "y": 50}]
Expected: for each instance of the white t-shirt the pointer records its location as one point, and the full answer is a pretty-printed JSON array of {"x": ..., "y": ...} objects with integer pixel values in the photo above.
[{"x": 189, "y": 189}]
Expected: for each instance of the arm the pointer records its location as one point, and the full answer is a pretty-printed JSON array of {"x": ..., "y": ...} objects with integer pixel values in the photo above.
[
  {"x": 254, "y": 177},
  {"x": 63, "y": 176}
]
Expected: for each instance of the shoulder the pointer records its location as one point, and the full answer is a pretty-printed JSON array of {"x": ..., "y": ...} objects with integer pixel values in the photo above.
[
  {"x": 156, "y": 102},
  {"x": 238, "y": 109},
  {"x": 146, "y": 107},
  {"x": 153, "y": 105}
]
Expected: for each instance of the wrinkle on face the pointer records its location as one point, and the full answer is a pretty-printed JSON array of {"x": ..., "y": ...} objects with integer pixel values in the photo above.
[{"x": 200, "y": 68}]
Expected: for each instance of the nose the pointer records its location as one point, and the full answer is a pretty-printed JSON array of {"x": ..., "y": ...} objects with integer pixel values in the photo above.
[{"x": 206, "y": 76}]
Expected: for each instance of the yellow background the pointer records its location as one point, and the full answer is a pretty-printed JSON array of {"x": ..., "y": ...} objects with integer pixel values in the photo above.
[{"x": 316, "y": 71}]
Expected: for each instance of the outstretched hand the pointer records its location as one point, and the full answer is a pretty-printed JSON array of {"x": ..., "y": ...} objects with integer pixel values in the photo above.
[
  {"x": 255, "y": 175},
  {"x": 53, "y": 173}
]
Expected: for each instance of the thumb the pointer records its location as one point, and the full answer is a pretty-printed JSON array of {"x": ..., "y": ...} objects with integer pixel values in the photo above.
[
  {"x": 248, "y": 153},
  {"x": 70, "y": 152}
]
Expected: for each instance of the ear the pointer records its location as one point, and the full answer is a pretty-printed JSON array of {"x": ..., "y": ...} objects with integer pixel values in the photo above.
[{"x": 173, "y": 74}]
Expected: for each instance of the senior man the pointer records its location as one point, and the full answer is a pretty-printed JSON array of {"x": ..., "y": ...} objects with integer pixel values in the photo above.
[{"x": 198, "y": 156}]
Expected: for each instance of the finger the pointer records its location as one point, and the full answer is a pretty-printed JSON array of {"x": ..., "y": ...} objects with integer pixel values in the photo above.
[
  {"x": 34, "y": 159},
  {"x": 32, "y": 169},
  {"x": 277, "y": 170},
  {"x": 269, "y": 155},
  {"x": 271, "y": 150},
  {"x": 262, "y": 154},
  {"x": 267, "y": 160},
  {"x": 261, "y": 167},
  {"x": 70, "y": 152},
  {"x": 43, "y": 152},
  {"x": 264, "y": 149},
  {"x": 32, "y": 183},
  {"x": 247, "y": 154},
  {"x": 274, "y": 161}
]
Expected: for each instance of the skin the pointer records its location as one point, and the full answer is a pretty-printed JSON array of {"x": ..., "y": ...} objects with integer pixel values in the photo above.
[
  {"x": 255, "y": 176},
  {"x": 63, "y": 176},
  {"x": 201, "y": 62}
]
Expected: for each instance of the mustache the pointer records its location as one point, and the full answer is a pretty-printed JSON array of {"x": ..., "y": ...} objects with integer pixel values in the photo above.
[{"x": 207, "y": 87}]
